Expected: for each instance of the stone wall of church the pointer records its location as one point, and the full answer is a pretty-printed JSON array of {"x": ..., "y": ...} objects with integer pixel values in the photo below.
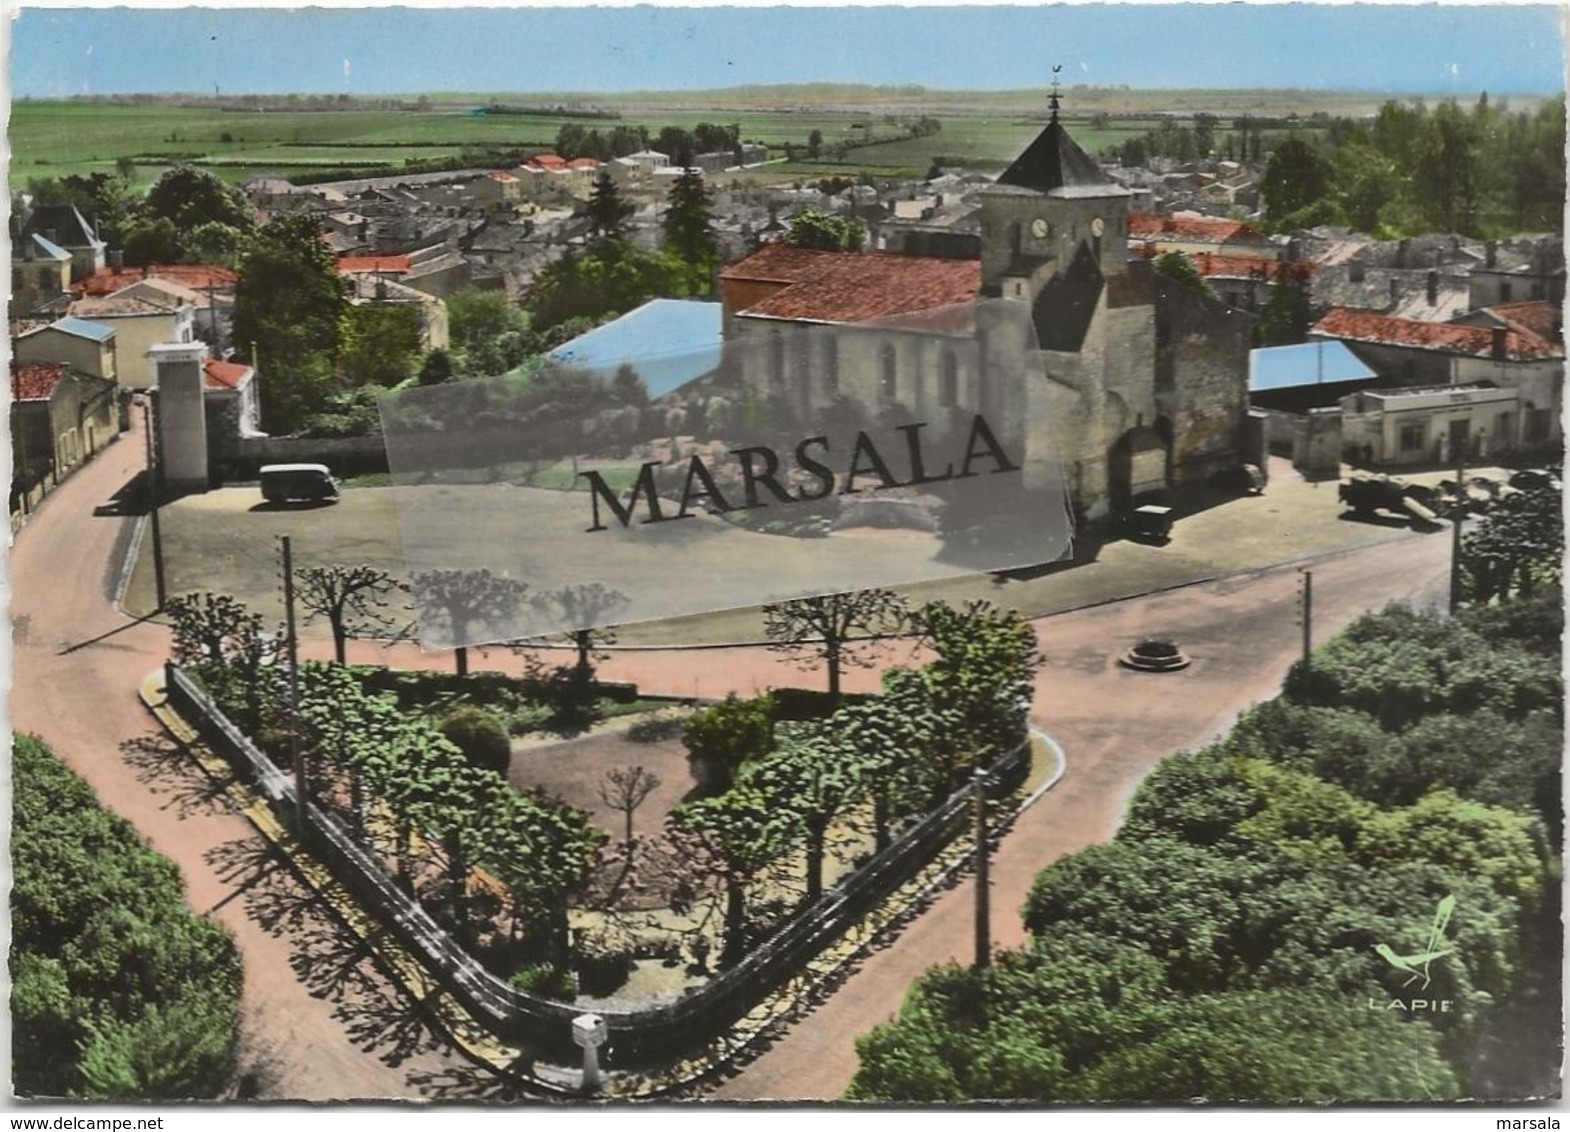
[{"x": 1202, "y": 378}]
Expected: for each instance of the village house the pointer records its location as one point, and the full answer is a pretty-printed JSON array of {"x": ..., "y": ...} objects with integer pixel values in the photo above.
[
  {"x": 87, "y": 347},
  {"x": 1191, "y": 233},
  {"x": 139, "y": 324},
  {"x": 62, "y": 225},
  {"x": 59, "y": 420},
  {"x": 40, "y": 274}
]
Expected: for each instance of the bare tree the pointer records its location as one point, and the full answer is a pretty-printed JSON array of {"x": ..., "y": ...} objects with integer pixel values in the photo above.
[
  {"x": 353, "y": 599},
  {"x": 626, "y": 789},
  {"x": 834, "y": 630},
  {"x": 585, "y": 607},
  {"x": 469, "y": 602}
]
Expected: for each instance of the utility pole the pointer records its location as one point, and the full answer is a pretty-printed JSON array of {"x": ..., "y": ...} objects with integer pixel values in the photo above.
[
  {"x": 983, "y": 879},
  {"x": 291, "y": 642},
  {"x": 159, "y": 582},
  {"x": 1308, "y": 614}
]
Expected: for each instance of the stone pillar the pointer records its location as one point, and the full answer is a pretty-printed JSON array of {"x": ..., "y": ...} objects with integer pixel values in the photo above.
[{"x": 182, "y": 415}]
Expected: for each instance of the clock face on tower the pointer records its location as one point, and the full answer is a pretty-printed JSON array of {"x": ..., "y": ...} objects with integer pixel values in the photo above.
[
  {"x": 1097, "y": 226},
  {"x": 1039, "y": 228}
]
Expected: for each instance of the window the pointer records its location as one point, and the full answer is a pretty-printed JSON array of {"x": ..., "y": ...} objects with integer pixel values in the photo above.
[
  {"x": 948, "y": 380},
  {"x": 888, "y": 379},
  {"x": 831, "y": 365},
  {"x": 1412, "y": 436}
]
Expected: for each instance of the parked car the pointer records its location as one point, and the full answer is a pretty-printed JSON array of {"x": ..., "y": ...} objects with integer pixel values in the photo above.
[{"x": 298, "y": 483}]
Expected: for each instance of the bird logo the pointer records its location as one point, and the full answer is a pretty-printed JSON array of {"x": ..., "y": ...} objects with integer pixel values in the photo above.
[{"x": 1417, "y": 964}]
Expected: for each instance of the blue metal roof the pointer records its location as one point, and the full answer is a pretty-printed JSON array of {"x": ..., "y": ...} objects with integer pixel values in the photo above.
[
  {"x": 1309, "y": 363},
  {"x": 82, "y": 328},
  {"x": 668, "y": 341}
]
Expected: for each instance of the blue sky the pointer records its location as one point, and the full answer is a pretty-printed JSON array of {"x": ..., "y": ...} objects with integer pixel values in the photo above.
[{"x": 1449, "y": 49}]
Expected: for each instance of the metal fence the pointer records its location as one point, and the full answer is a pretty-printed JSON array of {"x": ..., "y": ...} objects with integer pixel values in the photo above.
[{"x": 544, "y": 1024}]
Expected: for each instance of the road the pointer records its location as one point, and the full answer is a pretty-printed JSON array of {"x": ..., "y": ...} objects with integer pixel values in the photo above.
[
  {"x": 322, "y": 1020},
  {"x": 77, "y": 665}
]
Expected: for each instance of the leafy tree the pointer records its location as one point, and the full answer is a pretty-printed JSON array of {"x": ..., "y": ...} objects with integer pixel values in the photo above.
[
  {"x": 722, "y": 737},
  {"x": 291, "y": 309},
  {"x": 474, "y": 605},
  {"x": 688, "y": 225},
  {"x": 814, "y": 144},
  {"x": 1285, "y": 317},
  {"x": 731, "y": 837},
  {"x": 1518, "y": 547},
  {"x": 191, "y": 197},
  {"x": 825, "y": 231},
  {"x": 1295, "y": 178},
  {"x": 480, "y": 736},
  {"x": 1447, "y": 170},
  {"x": 381, "y": 344},
  {"x": 117, "y": 990},
  {"x": 148, "y": 240},
  {"x": 984, "y": 671},
  {"x": 543, "y": 851},
  {"x": 834, "y": 630},
  {"x": 352, "y": 599},
  {"x": 816, "y": 774},
  {"x": 437, "y": 368},
  {"x": 1366, "y": 184},
  {"x": 1178, "y": 267}
]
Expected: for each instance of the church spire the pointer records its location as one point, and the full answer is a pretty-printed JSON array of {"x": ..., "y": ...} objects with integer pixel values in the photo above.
[{"x": 1055, "y": 101}]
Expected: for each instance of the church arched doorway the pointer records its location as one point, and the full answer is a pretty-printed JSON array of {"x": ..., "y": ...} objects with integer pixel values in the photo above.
[{"x": 1136, "y": 466}]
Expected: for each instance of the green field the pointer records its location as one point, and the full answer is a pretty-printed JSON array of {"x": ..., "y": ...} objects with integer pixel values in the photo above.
[{"x": 982, "y": 128}]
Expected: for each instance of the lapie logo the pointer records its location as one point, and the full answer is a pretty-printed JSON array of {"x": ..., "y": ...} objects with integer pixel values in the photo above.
[{"x": 1418, "y": 965}]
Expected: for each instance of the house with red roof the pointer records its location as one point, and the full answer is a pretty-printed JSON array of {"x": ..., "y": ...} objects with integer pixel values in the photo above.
[
  {"x": 1192, "y": 233},
  {"x": 1515, "y": 348},
  {"x": 59, "y": 420},
  {"x": 1087, "y": 361}
]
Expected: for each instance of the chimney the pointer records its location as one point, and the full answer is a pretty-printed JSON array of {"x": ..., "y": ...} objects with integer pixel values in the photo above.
[
  {"x": 117, "y": 261},
  {"x": 1395, "y": 290},
  {"x": 1403, "y": 249},
  {"x": 1491, "y": 253},
  {"x": 1433, "y": 288},
  {"x": 1501, "y": 349}
]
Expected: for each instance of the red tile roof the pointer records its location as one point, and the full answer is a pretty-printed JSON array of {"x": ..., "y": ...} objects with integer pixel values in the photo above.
[
  {"x": 361, "y": 264},
  {"x": 501, "y": 176},
  {"x": 218, "y": 375},
  {"x": 1211, "y": 229},
  {"x": 1531, "y": 317},
  {"x": 35, "y": 381},
  {"x": 547, "y": 161},
  {"x": 1520, "y": 345},
  {"x": 819, "y": 286},
  {"x": 1215, "y": 266},
  {"x": 106, "y": 280},
  {"x": 583, "y": 163}
]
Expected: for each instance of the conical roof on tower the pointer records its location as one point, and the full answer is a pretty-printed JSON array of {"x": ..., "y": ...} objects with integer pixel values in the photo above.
[{"x": 1055, "y": 165}]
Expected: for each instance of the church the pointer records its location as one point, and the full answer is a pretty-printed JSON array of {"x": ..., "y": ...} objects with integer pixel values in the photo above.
[{"x": 1124, "y": 382}]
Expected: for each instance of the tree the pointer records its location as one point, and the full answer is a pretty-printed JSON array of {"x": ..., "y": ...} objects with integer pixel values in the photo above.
[
  {"x": 352, "y": 599},
  {"x": 984, "y": 670},
  {"x": 543, "y": 851},
  {"x": 1517, "y": 548},
  {"x": 816, "y": 774},
  {"x": 833, "y": 630},
  {"x": 381, "y": 344},
  {"x": 689, "y": 230},
  {"x": 1179, "y": 268},
  {"x": 586, "y": 606},
  {"x": 1447, "y": 170},
  {"x": 228, "y": 641},
  {"x": 473, "y": 605},
  {"x": 1285, "y": 318},
  {"x": 1295, "y": 177},
  {"x": 624, "y": 789},
  {"x": 607, "y": 213},
  {"x": 814, "y": 144},
  {"x": 437, "y": 368},
  {"x": 118, "y": 991},
  {"x": 731, "y": 837},
  {"x": 190, "y": 197},
  {"x": 480, "y": 736},
  {"x": 290, "y": 311},
  {"x": 723, "y": 737},
  {"x": 814, "y": 228}
]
